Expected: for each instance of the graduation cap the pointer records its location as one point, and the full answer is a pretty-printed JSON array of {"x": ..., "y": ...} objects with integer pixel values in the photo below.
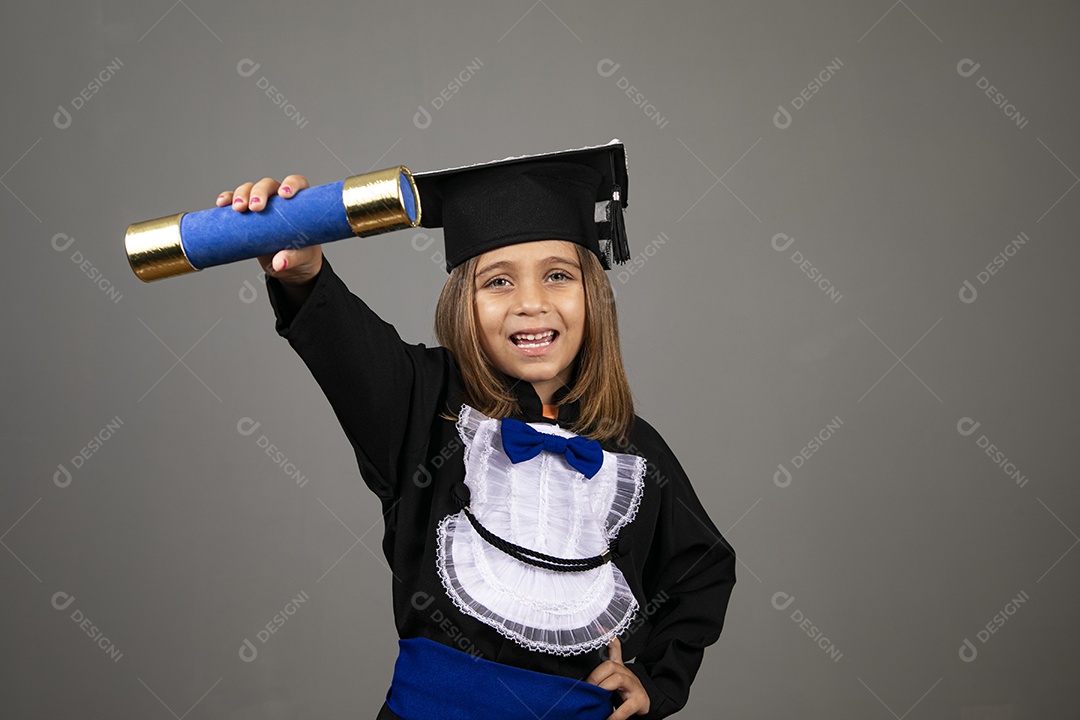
[{"x": 574, "y": 195}]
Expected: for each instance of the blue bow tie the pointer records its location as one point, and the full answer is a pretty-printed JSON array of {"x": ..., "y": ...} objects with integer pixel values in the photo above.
[{"x": 522, "y": 442}]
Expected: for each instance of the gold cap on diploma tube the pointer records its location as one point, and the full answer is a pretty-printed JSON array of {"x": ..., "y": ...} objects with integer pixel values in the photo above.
[
  {"x": 376, "y": 202},
  {"x": 154, "y": 250}
]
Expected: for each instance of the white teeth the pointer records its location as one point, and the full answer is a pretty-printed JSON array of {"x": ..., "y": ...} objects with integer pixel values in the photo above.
[
  {"x": 530, "y": 336},
  {"x": 545, "y": 338}
]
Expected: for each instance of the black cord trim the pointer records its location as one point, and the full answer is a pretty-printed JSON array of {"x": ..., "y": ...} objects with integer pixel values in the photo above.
[{"x": 539, "y": 559}]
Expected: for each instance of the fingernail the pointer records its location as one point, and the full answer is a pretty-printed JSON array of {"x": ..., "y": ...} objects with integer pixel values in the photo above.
[
  {"x": 254, "y": 200},
  {"x": 284, "y": 263},
  {"x": 286, "y": 189},
  {"x": 238, "y": 200}
]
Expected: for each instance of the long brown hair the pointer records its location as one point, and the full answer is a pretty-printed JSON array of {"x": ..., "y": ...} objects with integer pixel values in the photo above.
[{"x": 606, "y": 407}]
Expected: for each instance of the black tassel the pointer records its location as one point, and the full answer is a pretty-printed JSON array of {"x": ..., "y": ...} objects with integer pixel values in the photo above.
[{"x": 620, "y": 247}]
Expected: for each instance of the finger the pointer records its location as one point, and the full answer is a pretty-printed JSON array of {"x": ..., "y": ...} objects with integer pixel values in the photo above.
[
  {"x": 224, "y": 199},
  {"x": 628, "y": 708},
  {"x": 292, "y": 184},
  {"x": 281, "y": 260},
  {"x": 260, "y": 191},
  {"x": 622, "y": 680},
  {"x": 635, "y": 700},
  {"x": 601, "y": 673},
  {"x": 615, "y": 651},
  {"x": 240, "y": 197}
]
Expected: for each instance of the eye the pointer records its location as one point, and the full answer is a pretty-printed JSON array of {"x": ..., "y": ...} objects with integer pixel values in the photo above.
[
  {"x": 559, "y": 276},
  {"x": 497, "y": 282}
]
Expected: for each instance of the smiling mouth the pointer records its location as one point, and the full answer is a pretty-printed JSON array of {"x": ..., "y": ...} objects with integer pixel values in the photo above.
[{"x": 533, "y": 340}]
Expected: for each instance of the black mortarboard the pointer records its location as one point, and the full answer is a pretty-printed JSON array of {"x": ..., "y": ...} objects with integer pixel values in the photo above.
[{"x": 575, "y": 195}]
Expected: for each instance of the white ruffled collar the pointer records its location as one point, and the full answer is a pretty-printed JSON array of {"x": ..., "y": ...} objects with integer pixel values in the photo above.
[{"x": 547, "y": 506}]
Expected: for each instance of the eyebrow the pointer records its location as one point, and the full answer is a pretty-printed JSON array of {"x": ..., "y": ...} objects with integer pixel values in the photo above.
[{"x": 552, "y": 260}]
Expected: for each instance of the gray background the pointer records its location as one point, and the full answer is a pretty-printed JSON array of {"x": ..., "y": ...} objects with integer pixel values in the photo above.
[{"x": 899, "y": 539}]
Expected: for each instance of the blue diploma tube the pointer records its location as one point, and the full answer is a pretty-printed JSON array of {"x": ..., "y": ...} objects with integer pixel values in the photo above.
[{"x": 361, "y": 206}]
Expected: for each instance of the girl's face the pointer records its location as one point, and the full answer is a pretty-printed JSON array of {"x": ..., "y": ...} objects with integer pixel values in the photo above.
[{"x": 530, "y": 312}]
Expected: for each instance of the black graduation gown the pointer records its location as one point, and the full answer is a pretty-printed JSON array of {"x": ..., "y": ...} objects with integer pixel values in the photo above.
[{"x": 389, "y": 395}]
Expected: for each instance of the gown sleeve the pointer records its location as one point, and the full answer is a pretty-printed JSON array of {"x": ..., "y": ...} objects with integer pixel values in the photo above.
[
  {"x": 688, "y": 577},
  {"x": 385, "y": 393}
]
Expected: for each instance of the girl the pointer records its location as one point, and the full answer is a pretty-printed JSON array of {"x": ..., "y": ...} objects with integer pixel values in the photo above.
[{"x": 538, "y": 532}]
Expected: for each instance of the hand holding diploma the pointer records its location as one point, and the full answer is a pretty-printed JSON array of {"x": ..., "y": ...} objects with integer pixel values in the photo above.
[{"x": 291, "y": 266}]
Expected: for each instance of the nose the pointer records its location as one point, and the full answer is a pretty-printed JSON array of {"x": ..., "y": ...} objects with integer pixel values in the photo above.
[{"x": 531, "y": 298}]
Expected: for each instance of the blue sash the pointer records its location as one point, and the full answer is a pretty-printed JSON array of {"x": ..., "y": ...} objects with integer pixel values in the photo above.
[{"x": 433, "y": 681}]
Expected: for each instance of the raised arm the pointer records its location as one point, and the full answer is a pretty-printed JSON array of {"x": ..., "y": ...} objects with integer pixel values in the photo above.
[{"x": 386, "y": 393}]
